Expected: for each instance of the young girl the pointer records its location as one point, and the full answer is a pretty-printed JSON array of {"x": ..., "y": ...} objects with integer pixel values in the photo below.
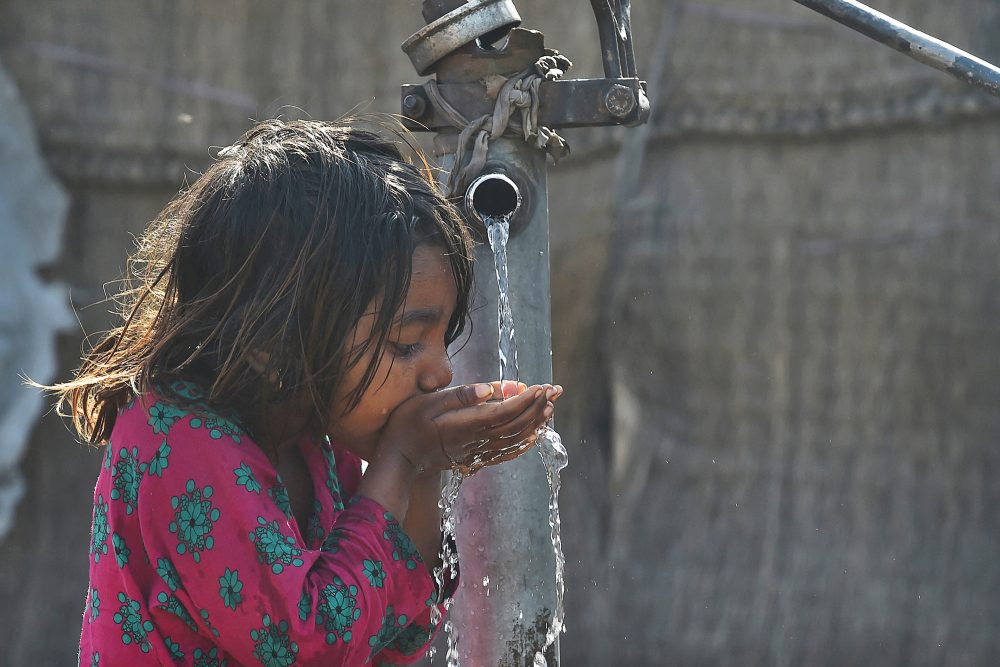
[{"x": 291, "y": 319}]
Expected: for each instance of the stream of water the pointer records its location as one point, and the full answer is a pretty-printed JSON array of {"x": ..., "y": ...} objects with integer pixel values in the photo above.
[{"x": 550, "y": 449}]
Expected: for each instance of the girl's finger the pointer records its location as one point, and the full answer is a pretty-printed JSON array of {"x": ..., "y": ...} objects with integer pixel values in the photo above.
[
  {"x": 491, "y": 420},
  {"x": 462, "y": 396},
  {"x": 511, "y": 439},
  {"x": 479, "y": 418},
  {"x": 506, "y": 389}
]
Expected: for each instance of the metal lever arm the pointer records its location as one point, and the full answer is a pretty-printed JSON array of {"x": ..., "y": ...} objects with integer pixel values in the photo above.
[
  {"x": 614, "y": 28},
  {"x": 901, "y": 37}
]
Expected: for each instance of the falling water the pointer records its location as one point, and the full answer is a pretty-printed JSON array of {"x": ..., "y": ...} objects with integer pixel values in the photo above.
[
  {"x": 550, "y": 449},
  {"x": 449, "y": 560},
  {"x": 498, "y": 231},
  {"x": 554, "y": 458}
]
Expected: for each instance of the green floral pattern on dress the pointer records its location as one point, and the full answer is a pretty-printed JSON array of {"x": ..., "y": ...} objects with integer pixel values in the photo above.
[
  {"x": 95, "y": 605},
  {"x": 314, "y": 531},
  {"x": 273, "y": 547},
  {"x": 134, "y": 627},
  {"x": 411, "y": 639},
  {"x": 174, "y": 647},
  {"x": 171, "y": 604},
  {"x": 338, "y": 609},
  {"x": 194, "y": 518},
  {"x": 188, "y": 390},
  {"x": 168, "y": 573},
  {"x": 208, "y": 622},
  {"x": 162, "y": 416},
  {"x": 390, "y": 628},
  {"x": 332, "y": 481},
  {"x": 218, "y": 426},
  {"x": 230, "y": 587},
  {"x": 403, "y": 547},
  {"x": 99, "y": 533},
  {"x": 122, "y": 552},
  {"x": 272, "y": 647},
  {"x": 331, "y": 543},
  {"x": 374, "y": 572},
  {"x": 209, "y": 659},
  {"x": 159, "y": 462},
  {"x": 245, "y": 478},
  {"x": 305, "y": 606},
  {"x": 126, "y": 476},
  {"x": 279, "y": 494}
]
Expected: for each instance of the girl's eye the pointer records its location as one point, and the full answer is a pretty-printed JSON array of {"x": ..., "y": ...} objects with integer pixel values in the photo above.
[{"x": 403, "y": 350}]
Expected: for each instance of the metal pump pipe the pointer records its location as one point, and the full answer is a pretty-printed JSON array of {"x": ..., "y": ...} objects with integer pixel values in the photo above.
[
  {"x": 508, "y": 591},
  {"x": 919, "y": 46}
]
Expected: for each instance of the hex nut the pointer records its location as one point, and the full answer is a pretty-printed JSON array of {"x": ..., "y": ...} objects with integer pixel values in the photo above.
[
  {"x": 414, "y": 106},
  {"x": 619, "y": 100}
]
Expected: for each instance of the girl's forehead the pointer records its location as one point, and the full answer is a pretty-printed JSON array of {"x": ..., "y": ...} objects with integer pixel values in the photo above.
[{"x": 432, "y": 287}]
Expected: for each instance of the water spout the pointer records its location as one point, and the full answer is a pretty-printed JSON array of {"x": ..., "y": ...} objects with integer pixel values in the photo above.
[{"x": 492, "y": 196}]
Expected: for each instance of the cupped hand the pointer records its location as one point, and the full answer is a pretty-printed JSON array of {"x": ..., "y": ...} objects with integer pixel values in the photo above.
[{"x": 470, "y": 426}]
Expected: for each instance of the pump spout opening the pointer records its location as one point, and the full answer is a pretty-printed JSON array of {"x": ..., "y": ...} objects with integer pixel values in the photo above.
[{"x": 492, "y": 196}]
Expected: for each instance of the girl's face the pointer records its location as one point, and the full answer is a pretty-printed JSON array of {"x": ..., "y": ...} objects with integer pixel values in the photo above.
[{"x": 414, "y": 359}]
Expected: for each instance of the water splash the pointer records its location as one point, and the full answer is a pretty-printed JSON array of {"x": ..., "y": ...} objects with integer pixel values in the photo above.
[
  {"x": 451, "y": 657},
  {"x": 448, "y": 555},
  {"x": 554, "y": 458}
]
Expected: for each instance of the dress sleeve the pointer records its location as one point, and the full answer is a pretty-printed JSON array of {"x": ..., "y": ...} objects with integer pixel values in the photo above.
[
  {"x": 414, "y": 640},
  {"x": 235, "y": 569}
]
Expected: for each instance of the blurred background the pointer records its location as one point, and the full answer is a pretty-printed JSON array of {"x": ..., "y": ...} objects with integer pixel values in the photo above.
[{"x": 776, "y": 307}]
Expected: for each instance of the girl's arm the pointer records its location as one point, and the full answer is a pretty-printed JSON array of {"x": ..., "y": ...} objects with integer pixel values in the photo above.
[
  {"x": 232, "y": 567},
  {"x": 423, "y": 520}
]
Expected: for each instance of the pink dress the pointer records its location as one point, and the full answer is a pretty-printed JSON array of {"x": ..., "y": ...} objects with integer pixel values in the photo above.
[{"x": 195, "y": 558}]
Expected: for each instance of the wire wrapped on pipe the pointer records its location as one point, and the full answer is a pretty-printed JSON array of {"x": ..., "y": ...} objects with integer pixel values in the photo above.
[{"x": 516, "y": 111}]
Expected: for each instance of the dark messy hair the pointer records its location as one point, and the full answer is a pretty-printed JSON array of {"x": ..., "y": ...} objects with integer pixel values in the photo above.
[{"x": 278, "y": 248}]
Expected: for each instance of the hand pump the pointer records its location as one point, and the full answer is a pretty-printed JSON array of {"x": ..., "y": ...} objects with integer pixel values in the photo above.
[{"x": 494, "y": 104}]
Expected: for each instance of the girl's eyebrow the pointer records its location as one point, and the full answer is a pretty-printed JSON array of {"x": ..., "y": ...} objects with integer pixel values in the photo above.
[{"x": 419, "y": 316}]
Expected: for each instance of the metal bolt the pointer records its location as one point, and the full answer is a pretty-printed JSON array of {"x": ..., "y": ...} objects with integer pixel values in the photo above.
[
  {"x": 619, "y": 100},
  {"x": 414, "y": 106}
]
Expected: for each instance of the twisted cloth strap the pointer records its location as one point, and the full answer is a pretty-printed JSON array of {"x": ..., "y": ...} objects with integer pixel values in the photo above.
[{"x": 518, "y": 94}]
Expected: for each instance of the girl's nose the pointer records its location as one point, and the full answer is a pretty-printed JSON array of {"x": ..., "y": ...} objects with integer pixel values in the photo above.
[{"x": 438, "y": 374}]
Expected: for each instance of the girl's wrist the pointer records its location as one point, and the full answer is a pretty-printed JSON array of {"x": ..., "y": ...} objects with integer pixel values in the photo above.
[{"x": 389, "y": 481}]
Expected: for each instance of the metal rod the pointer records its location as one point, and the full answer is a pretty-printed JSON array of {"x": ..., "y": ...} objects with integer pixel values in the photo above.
[
  {"x": 919, "y": 46},
  {"x": 608, "y": 34},
  {"x": 626, "y": 48}
]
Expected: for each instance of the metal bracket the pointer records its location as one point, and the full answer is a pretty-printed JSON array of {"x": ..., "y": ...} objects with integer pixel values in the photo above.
[{"x": 562, "y": 103}]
